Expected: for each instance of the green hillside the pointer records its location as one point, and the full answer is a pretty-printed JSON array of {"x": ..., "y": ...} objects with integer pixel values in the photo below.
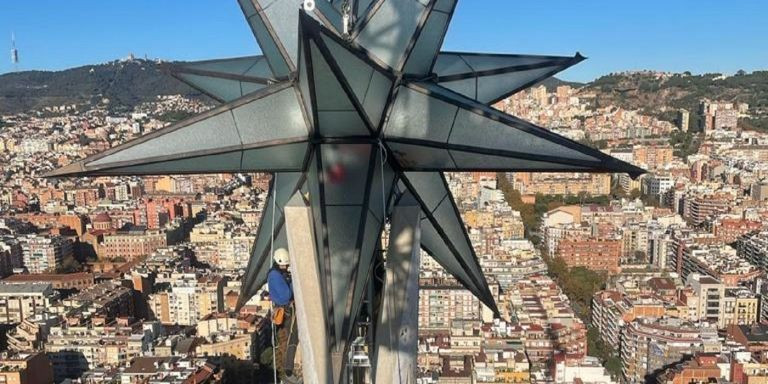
[{"x": 662, "y": 96}]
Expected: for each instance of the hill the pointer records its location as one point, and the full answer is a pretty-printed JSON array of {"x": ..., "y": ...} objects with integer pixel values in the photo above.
[
  {"x": 125, "y": 83},
  {"x": 662, "y": 94}
]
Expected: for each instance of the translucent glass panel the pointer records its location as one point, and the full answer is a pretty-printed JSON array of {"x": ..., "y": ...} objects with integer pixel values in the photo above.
[
  {"x": 283, "y": 17},
  {"x": 390, "y": 29},
  {"x": 304, "y": 80},
  {"x": 363, "y": 7},
  {"x": 249, "y": 66},
  {"x": 428, "y": 187},
  {"x": 491, "y": 62},
  {"x": 345, "y": 190},
  {"x": 221, "y": 89},
  {"x": 433, "y": 128},
  {"x": 207, "y": 132},
  {"x": 376, "y": 98},
  {"x": 417, "y": 115},
  {"x": 477, "y": 161},
  {"x": 268, "y": 39},
  {"x": 443, "y": 233},
  {"x": 370, "y": 87},
  {"x": 466, "y": 87},
  {"x": 418, "y": 157},
  {"x": 431, "y": 37},
  {"x": 336, "y": 113},
  {"x": 492, "y": 88},
  {"x": 433, "y": 243},
  {"x": 448, "y": 219},
  {"x": 224, "y": 162},
  {"x": 449, "y": 64},
  {"x": 247, "y": 88},
  {"x": 246, "y": 133},
  {"x": 275, "y": 25},
  {"x": 488, "y": 78},
  {"x": 503, "y": 134},
  {"x": 285, "y": 184},
  {"x": 433, "y": 117},
  {"x": 345, "y": 172},
  {"x": 283, "y": 157},
  {"x": 327, "y": 14},
  {"x": 276, "y": 117},
  {"x": 343, "y": 224},
  {"x": 371, "y": 239}
]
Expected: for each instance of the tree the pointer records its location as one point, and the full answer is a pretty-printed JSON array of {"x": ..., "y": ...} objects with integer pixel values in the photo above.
[
  {"x": 635, "y": 193},
  {"x": 617, "y": 192},
  {"x": 265, "y": 359},
  {"x": 597, "y": 348},
  {"x": 236, "y": 371},
  {"x": 174, "y": 116},
  {"x": 70, "y": 265},
  {"x": 83, "y": 140}
]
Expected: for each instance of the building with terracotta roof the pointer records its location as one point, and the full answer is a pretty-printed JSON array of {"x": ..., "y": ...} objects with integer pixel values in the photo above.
[
  {"x": 701, "y": 369},
  {"x": 101, "y": 222},
  {"x": 133, "y": 243},
  {"x": 78, "y": 280}
]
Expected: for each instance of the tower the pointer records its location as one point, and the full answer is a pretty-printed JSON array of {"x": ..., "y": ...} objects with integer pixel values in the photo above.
[{"x": 14, "y": 53}]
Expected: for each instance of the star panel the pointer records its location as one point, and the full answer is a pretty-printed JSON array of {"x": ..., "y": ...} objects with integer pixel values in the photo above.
[
  {"x": 426, "y": 115},
  {"x": 230, "y": 138},
  {"x": 444, "y": 236},
  {"x": 228, "y": 79},
  {"x": 489, "y": 78}
]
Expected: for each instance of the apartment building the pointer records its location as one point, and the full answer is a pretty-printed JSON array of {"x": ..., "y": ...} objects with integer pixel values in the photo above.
[{"x": 20, "y": 301}]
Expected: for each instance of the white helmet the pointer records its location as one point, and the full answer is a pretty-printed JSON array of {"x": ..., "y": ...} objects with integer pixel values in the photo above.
[{"x": 281, "y": 257}]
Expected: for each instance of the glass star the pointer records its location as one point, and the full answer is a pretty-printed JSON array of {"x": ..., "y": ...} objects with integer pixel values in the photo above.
[{"x": 354, "y": 122}]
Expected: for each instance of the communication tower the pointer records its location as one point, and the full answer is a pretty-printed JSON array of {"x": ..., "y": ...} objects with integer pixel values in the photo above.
[{"x": 14, "y": 53}]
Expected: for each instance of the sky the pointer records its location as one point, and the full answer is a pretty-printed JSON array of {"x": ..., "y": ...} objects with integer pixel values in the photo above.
[{"x": 700, "y": 36}]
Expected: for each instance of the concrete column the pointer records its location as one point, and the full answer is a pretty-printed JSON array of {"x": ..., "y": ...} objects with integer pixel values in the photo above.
[
  {"x": 397, "y": 326},
  {"x": 307, "y": 292}
]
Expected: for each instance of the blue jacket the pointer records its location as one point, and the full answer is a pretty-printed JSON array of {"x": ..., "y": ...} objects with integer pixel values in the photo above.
[{"x": 280, "y": 291}]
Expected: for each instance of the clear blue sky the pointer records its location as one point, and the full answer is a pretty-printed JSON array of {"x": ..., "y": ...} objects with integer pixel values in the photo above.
[{"x": 616, "y": 35}]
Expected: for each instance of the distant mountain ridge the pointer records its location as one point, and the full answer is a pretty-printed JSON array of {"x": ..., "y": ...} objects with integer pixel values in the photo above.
[
  {"x": 662, "y": 94},
  {"x": 125, "y": 83}
]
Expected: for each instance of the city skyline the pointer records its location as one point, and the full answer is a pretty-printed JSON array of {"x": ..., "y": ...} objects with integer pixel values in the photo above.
[
  {"x": 446, "y": 219},
  {"x": 654, "y": 36}
]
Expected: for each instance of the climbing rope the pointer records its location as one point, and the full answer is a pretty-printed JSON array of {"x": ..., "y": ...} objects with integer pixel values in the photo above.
[
  {"x": 272, "y": 254},
  {"x": 383, "y": 159}
]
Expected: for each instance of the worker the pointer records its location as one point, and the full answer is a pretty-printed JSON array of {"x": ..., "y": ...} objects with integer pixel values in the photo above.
[{"x": 281, "y": 294}]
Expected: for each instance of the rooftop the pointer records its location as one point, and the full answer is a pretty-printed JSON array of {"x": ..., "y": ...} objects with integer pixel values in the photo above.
[{"x": 29, "y": 288}]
